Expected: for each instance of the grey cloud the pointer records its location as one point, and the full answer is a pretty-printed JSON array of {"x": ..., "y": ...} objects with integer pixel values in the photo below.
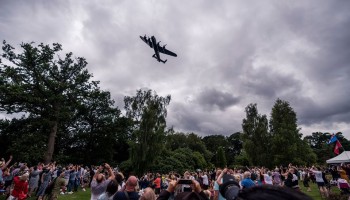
[
  {"x": 230, "y": 54},
  {"x": 210, "y": 98}
]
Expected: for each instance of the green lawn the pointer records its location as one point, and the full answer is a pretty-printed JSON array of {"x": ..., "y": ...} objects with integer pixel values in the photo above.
[{"x": 81, "y": 195}]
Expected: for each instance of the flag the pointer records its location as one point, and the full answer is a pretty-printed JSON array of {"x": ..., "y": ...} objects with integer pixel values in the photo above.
[
  {"x": 333, "y": 139},
  {"x": 337, "y": 147}
]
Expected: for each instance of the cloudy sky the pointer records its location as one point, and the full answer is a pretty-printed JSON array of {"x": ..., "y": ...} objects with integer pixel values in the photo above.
[{"x": 230, "y": 54}]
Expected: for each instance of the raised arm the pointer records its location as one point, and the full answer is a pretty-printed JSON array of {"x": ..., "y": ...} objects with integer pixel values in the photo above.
[{"x": 6, "y": 163}]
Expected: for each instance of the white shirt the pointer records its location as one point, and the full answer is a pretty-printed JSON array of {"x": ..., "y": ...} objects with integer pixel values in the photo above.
[{"x": 205, "y": 179}]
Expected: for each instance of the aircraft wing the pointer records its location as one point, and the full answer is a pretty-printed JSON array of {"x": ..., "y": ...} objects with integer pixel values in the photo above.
[
  {"x": 147, "y": 41},
  {"x": 166, "y": 51}
]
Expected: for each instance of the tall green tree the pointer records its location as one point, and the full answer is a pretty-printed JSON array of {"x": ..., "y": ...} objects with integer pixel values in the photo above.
[
  {"x": 255, "y": 137},
  {"x": 235, "y": 146},
  {"x": 286, "y": 143},
  {"x": 39, "y": 82},
  {"x": 95, "y": 126},
  {"x": 221, "y": 158},
  {"x": 148, "y": 113}
]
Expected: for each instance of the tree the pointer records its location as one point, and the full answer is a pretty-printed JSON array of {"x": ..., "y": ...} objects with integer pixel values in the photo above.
[
  {"x": 148, "y": 112},
  {"x": 235, "y": 146},
  {"x": 95, "y": 127},
  {"x": 38, "y": 82},
  {"x": 286, "y": 143},
  {"x": 221, "y": 158},
  {"x": 255, "y": 137}
]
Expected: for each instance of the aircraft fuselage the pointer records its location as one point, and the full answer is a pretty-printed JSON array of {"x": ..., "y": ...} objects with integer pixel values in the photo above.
[{"x": 155, "y": 47}]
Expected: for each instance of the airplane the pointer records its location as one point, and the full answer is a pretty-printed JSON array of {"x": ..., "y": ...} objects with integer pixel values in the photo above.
[{"x": 152, "y": 42}]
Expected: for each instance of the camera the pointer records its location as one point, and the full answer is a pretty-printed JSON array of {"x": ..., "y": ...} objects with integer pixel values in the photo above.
[{"x": 229, "y": 187}]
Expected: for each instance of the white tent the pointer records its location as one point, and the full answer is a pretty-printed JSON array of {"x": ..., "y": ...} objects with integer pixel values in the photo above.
[{"x": 341, "y": 158}]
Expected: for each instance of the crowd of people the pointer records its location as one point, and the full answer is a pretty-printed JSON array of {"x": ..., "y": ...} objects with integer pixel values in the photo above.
[{"x": 52, "y": 181}]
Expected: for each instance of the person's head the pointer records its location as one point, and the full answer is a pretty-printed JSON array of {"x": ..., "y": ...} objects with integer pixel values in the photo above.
[
  {"x": 24, "y": 177},
  {"x": 112, "y": 187},
  {"x": 131, "y": 183},
  {"x": 148, "y": 194},
  {"x": 100, "y": 178},
  {"x": 119, "y": 177},
  {"x": 247, "y": 174}
]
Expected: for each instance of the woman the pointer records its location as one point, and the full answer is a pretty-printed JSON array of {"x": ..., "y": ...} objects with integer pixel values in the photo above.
[
  {"x": 33, "y": 180},
  {"x": 45, "y": 180},
  {"x": 20, "y": 188}
]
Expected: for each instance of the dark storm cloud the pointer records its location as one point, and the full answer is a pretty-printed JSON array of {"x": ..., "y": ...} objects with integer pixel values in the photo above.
[
  {"x": 230, "y": 54},
  {"x": 210, "y": 98}
]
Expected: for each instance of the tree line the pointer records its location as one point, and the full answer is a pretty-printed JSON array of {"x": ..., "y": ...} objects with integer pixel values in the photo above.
[{"x": 59, "y": 113}]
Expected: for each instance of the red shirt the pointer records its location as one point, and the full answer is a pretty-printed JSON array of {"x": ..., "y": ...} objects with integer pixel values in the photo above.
[
  {"x": 157, "y": 182},
  {"x": 19, "y": 187}
]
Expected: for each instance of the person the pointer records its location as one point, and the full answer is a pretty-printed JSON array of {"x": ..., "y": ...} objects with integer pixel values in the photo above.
[
  {"x": 33, "y": 180},
  {"x": 129, "y": 191},
  {"x": 196, "y": 194},
  {"x": 112, "y": 188},
  {"x": 320, "y": 182},
  {"x": 99, "y": 183},
  {"x": 247, "y": 182},
  {"x": 20, "y": 188},
  {"x": 45, "y": 180},
  {"x": 306, "y": 181},
  {"x": 157, "y": 183},
  {"x": 3, "y": 166},
  {"x": 148, "y": 194},
  {"x": 59, "y": 184},
  {"x": 217, "y": 195},
  {"x": 72, "y": 179},
  {"x": 205, "y": 180}
]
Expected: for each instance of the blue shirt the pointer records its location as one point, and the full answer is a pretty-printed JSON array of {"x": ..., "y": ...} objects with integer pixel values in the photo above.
[
  {"x": 247, "y": 183},
  {"x": 217, "y": 188}
]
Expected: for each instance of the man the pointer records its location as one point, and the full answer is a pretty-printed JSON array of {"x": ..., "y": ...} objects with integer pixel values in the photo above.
[
  {"x": 247, "y": 182},
  {"x": 99, "y": 183},
  {"x": 129, "y": 192},
  {"x": 59, "y": 183}
]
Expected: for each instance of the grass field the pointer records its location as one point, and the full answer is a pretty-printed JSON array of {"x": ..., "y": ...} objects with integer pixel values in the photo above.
[{"x": 81, "y": 195}]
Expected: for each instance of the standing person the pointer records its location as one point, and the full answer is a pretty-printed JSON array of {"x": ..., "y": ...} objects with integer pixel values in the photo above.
[
  {"x": 247, "y": 182},
  {"x": 20, "y": 188},
  {"x": 45, "y": 180},
  {"x": 99, "y": 183},
  {"x": 72, "y": 180},
  {"x": 3, "y": 166},
  {"x": 59, "y": 184},
  {"x": 129, "y": 192},
  {"x": 205, "y": 181},
  {"x": 157, "y": 183},
  {"x": 33, "y": 180},
  {"x": 320, "y": 182},
  {"x": 217, "y": 194},
  {"x": 276, "y": 177},
  {"x": 306, "y": 181}
]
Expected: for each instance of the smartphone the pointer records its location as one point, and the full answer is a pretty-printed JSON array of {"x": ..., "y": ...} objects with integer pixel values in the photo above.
[{"x": 185, "y": 181}]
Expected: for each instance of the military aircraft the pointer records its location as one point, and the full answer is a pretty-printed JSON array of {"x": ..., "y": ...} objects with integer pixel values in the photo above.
[{"x": 152, "y": 42}]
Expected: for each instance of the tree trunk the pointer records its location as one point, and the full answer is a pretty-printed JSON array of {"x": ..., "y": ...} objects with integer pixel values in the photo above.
[{"x": 51, "y": 143}]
